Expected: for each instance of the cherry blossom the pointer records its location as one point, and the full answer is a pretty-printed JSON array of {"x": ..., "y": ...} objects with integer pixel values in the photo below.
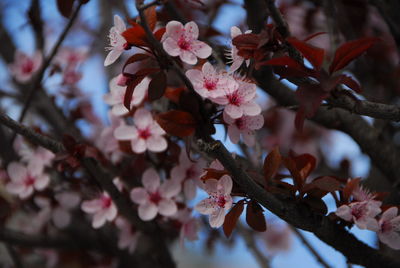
[
  {"x": 146, "y": 134},
  {"x": 241, "y": 101},
  {"x": 71, "y": 56},
  {"x": 188, "y": 173},
  {"x": 181, "y": 41},
  {"x": 362, "y": 194},
  {"x": 103, "y": 209},
  {"x": 128, "y": 238},
  {"x": 106, "y": 141},
  {"x": 24, "y": 66},
  {"x": 26, "y": 179},
  {"x": 233, "y": 53},
  {"x": 67, "y": 201},
  {"x": 154, "y": 197},
  {"x": 209, "y": 83},
  {"x": 389, "y": 228},
  {"x": 244, "y": 126},
  {"x": 277, "y": 238},
  {"x": 188, "y": 225},
  {"x": 39, "y": 155},
  {"x": 117, "y": 41},
  {"x": 362, "y": 213},
  {"x": 218, "y": 202},
  {"x": 117, "y": 93}
]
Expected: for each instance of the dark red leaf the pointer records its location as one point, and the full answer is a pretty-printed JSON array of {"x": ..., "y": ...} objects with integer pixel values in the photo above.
[
  {"x": 349, "y": 51},
  {"x": 135, "y": 35},
  {"x": 285, "y": 61},
  {"x": 151, "y": 17},
  {"x": 313, "y": 36},
  {"x": 232, "y": 217},
  {"x": 313, "y": 54},
  {"x": 213, "y": 174},
  {"x": 326, "y": 183},
  {"x": 159, "y": 33},
  {"x": 305, "y": 163},
  {"x": 271, "y": 164},
  {"x": 135, "y": 58},
  {"x": 247, "y": 41},
  {"x": 177, "y": 123},
  {"x": 310, "y": 98},
  {"x": 173, "y": 94},
  {"x": 65, "y": 7},
  {"x": 349, "y": 187},
  {"x": 157, "y": 86},
  {"x": 350, "y": 82},
  {"x": 255, "y": 217},
  {"x": 290, "y": 164},
  {"x": 129, "y": 90}
]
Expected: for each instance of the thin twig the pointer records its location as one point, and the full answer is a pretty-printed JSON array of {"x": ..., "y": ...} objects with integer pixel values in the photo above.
[
  {"x": 14, "y": 256},
  {"x": 311, "y": 248}
]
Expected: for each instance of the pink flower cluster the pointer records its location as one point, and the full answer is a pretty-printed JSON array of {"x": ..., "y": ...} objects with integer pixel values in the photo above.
[{"x": 363, "y": 212}]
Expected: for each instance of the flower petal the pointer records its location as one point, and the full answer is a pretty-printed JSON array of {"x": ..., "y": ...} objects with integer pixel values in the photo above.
[
  {"x": 139, "y": 195},
  {"x": 167, "y": 207},
  {"x": 147, "y": 211},
  {"x": 151, "y": 180},
  {"x": 217, "y": 218}
]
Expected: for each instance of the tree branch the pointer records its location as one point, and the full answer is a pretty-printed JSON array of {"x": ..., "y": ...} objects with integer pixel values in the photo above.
[{"x": 299, "y": 215}]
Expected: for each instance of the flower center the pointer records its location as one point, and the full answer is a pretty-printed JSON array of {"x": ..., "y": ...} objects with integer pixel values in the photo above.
[
  {"x": 155, "y": 197},
  {"x": 29, "y": 180},
  {"x": 106, "y": 201},
  {"x": 210, "y": 84},
  {"x": 27, "y": 67},
  {"x": 221, "y": 201},
  {"x": 144, "y": 133},
  {"x": 358, "y": 211},
  {"x": 183, "y": 44},
  {"x": 190, "y": 173},
  {"x": 386, "y": 227},
  {"x": 234, "y": 99}
]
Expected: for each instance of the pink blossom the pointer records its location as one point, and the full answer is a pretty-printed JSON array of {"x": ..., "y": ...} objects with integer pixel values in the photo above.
[
  {"x": 117, "y": 93},
  {"x": 71, "y": 56},
  {"x": 209, "y": 83},
  {"x": 128, "y": 238},
  {"x": 154, "y": 197},
  {"x": 117, "y": 41},
  {"x": 39, "y": 155},
  {"x": 67, "y": 201},
  {"x": 188, "y": 225},
  {"x": 181, "y": 41},
  {"x": 233, "y": 53},
  {"x": 219, "y": 200},
  {"x": 361, "y": 213},
  {"x": 362, "y": 194},
  {"x": 71, "y": 76},
  {"x": 106, "y": 141},
  {"x": 188, "y": 173},
  {"x": 241, "y": 101},
  {"x": 244, "y": 126},
  {"x": 103, "y": 209},
  {"x": 25, "y": 66},
  {"x": 146, "y": 134},
  {"x": 26, "y": 179},
  {"x": 277, "y": 238},
  {"x": 389, "y": 228}
]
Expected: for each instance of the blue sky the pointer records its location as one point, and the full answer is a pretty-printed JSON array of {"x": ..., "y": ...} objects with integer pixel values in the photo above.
[{"x": 95, "y": 85}]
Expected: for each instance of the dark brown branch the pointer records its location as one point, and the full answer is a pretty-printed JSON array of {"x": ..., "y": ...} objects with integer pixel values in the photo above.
[
  {"x": 311, "y": 248},
  {"x": 36, "y": 21},
  {"x": 299, "y": 215},
  {"x": 14, "y": 256},
  {"x": 276, "y": 15}
]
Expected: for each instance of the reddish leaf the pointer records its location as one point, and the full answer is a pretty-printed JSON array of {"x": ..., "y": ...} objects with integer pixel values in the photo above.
[
  {"x": 247, "y": 41},
  {"x": 285, "y": 61},
  {"x": 350, "y": 82},
  {"x": 135, "y": 58},
  {"x": 135, "y": 36},
  {"x": 313, "y": 36},
  {"x": 310, "y": 98},
  {"x": 159, "y": 33},
  {"x": 65, "y": 7},
  {"x": 255, "y": 217},
  {"x": 157, "y": 86},
  {"x": 349, "y": 187},
  {"x": 151, "y": 17},
  {"x": 271, "y": 164},
  {"x": 349, "y": 51},
  {"x": 326, "y": 183},
  {"x": 313, "y": 54},
  {"x": 232, "y": 217},
  {"x": 291, "y": 166},
  {"x": 173, "y": 94},
  {"x": 129, "y": 90},
  {"x": 177, "y": 123},
  {"x": 213, "y": 174},
  {"x": 305, "y": 163}
]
